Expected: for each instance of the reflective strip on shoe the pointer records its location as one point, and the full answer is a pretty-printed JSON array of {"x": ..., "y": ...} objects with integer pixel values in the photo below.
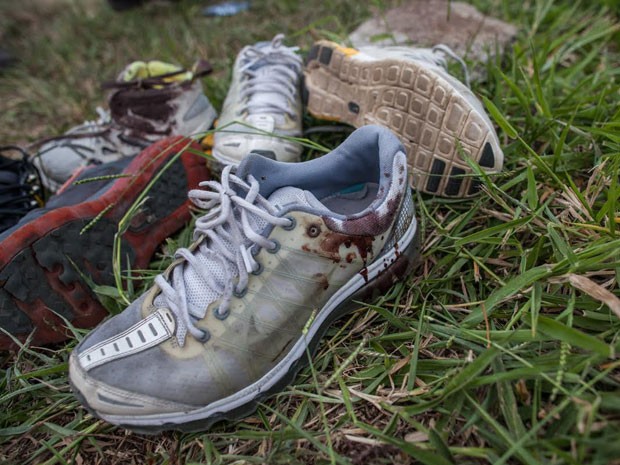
[{"x": 155, "y": 328}]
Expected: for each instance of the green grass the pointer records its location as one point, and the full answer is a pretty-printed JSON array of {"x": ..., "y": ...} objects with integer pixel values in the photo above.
[{"x": 502, "y": 348}]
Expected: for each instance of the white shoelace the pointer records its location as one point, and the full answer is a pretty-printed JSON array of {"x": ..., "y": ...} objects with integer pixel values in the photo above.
[
  {"x": 270, "y": 78},
  {"x": 227, "y": 222}
]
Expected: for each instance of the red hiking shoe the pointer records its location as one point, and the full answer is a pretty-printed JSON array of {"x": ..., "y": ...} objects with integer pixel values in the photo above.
[{"x": 49, "y": 257}]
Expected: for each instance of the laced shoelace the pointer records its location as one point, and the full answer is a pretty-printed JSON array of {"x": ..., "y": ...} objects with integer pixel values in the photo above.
[
  {"x": 227, "y": 223},
  {"x": 280, "y": 82},
  {"x": 97, "y": 130},
  {"x": 437, "y": 55},
  {"x": 22, "y": 195}
]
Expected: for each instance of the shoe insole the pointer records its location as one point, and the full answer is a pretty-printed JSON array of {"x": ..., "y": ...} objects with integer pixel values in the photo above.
[{"x": 353, "y": 199}]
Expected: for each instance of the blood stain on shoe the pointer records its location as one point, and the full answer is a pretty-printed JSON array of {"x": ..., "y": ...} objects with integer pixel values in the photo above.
[
  {"x": 322, "y": 280},
  {"x": 333, "y": 241},
  {"x": 369, "y": 225},
  {"x": 135, "y": 109}
]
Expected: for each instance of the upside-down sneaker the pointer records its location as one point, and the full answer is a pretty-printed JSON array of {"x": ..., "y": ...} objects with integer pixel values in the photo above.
[
  {"x": 438, "y": 119},
  {"x": 49, "y": 259},
  {"x": 284, "y": 247},
  {"x": 264, "y": 97},
  {"x": 148, "y": 102}
]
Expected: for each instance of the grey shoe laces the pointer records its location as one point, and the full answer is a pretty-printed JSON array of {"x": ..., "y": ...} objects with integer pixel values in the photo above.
[
  {"x": 270, "y": 78},
  {"x": 225, "y": 237}
]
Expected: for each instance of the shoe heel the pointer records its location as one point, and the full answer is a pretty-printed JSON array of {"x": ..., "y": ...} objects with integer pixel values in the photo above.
[{"x": 406, "y": 262}]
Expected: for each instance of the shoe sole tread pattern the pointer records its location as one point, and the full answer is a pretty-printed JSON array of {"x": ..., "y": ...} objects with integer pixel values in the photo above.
[
  {"x": 434, "y": 121},
  {"x": 48, "y": 264},
  {"x": 399, "y": 269}
]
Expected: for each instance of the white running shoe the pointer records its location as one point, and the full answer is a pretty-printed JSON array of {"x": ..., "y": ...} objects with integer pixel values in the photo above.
[
  {"x": 438, "y": 119},
  {"x": 283, "y": 251},
  {"x": 264, "y": 97},
  {"x": 149, "y": 101}
]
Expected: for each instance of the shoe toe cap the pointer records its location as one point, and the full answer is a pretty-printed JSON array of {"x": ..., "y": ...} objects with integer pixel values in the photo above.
[{"x": 163, "y": 378}]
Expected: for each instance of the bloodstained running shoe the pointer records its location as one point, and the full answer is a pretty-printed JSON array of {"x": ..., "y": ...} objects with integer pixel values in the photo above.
[
  {"x": 283, "y": 251},
  {"x": 47, "y": 259},
  {"x": 438, "y": 119},
  {"x": 148, "y": 102}
]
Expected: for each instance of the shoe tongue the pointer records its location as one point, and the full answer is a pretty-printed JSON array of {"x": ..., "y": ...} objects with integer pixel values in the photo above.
[
  {"x": 148, "y": 69},
  {"x": 8, "y": 178},
  {"x": 293, "y": 196},
  {"x": 199, "y": 295},
  {"x": 260, "y": 101},
  {"x": 9, "y": 188}
]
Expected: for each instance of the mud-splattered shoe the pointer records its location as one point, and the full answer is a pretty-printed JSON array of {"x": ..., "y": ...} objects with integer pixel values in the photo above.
[
  {"x": 20, "y": 186},
  {"x": 438, "y": 119},
  {"x": 47, "y": 259},
  {"x": 264, "y": 97},
  {"x": 149, "y": 101},
  {"x": 284, "y": 246}
]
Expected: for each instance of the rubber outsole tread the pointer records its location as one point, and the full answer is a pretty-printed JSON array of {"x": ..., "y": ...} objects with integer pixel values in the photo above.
[
  {"x": 434, "y": 121},
  {"x": 167, "y": 195},
  {"x": 51, "y": 275}
]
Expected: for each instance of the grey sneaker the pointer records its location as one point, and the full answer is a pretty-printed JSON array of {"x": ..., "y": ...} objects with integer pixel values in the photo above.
[
  {"x": 264, "y": 97},
  {"x": 283, "y": 247},
  {"x": 149, "y": 101},
  {"x": 408, "y": 90}
]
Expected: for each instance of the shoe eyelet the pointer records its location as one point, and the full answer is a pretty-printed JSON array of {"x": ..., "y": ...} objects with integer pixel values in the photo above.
[
  {"x": 239, "y": 295},
  {"x": 275, "y": 248},
  {"x": 221, "y": 315},
  {"x": 293, "y": 224},
  {"x": 258, "y": 270},
  {"x": 206, "y": 335},
  {"x": 313, "y": 230}
]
